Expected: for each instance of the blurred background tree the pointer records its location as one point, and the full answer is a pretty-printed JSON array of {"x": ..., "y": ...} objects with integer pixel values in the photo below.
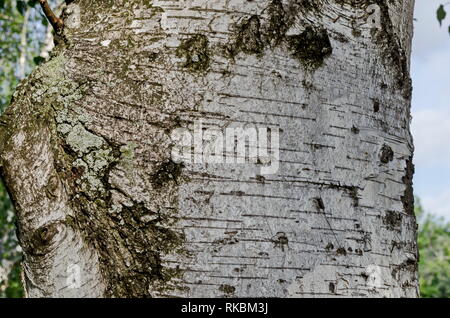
[
  {"x": 434, "y": 250},
  {"x": 25, "y": 41}
]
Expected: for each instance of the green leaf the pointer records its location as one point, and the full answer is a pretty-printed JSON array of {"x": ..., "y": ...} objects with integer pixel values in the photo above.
[
  {"x": 21, "y": 7},
  {"x": 38, "y": 60},
  {"x": 441, "y": 14},
  {"x": 44, "y": 20}
]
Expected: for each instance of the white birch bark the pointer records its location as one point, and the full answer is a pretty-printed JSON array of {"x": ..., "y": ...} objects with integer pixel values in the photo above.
[{"x": 103, "y": 209}]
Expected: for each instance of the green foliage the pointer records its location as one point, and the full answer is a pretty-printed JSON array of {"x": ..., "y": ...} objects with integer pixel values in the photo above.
[
  {"x": 14, "y": 289},
  {"x": 21, "y": 35},
  {"x": 10, "y": 253},
  {"x": 441, "y": 14},
  {"x": 434, "y": 250}
]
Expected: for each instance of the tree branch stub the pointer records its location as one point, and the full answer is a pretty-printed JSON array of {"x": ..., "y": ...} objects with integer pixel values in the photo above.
[{"x": 56, "y": 22}]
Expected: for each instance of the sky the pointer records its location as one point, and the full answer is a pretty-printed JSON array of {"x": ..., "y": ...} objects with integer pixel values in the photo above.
[{"x": 430, "y": 71}]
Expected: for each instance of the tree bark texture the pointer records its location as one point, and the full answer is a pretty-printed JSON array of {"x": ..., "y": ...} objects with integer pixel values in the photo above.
[{"x": 103, "y": 209}]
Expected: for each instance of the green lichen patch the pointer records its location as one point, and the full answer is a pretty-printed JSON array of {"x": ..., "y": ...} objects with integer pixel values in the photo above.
[
  {"x": 311, "y": 46},
  {"x": 82, "y": 141},
  {"x": 98, "y": 160},
  {"x": 89, "y": 155},
  {"x": 88, "y": 183},
  {"x": 127, "y": 152},
  {"x": 195, "y": 52},
  {"x": 89, "y": 172},
  {"x": 81, "y": 157},
  {"x": 276, "y": 25},
  {"x": 50, "y": 73}
]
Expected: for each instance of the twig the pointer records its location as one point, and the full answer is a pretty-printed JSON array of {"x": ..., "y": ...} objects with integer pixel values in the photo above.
[{"x": 56, "y": 22}]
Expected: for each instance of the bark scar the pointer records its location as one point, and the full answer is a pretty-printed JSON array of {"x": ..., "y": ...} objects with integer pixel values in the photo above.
[{"x": 56, "y": 22}]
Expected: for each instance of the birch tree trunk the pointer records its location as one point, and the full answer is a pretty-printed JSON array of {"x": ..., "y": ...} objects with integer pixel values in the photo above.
[{"x": 105, "y": 210}]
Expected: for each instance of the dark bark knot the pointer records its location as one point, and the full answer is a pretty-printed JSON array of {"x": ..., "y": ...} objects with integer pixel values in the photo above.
[
  {"x": 319, "y": 204},
  {"x": 280, "y": 240},
  {"x": 42, "y": 239},
  {"x": 355, "y": 130},
  {"x": 52, "y": 187},
  {"x": 408, "y": 196},
  {"x": 376, "y": 106},
  {"x": 341, "y": 251},
  {"x": 393, "y": 220},
  {"x": 332, "y": 288},
  {"x": 387, "y": 154},
  {"x": 408, "y": 266},
  {"x": 227, "y": 289}
]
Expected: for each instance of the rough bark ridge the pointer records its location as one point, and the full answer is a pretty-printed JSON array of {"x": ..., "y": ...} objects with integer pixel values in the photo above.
[{"x": 86, "y": 152}]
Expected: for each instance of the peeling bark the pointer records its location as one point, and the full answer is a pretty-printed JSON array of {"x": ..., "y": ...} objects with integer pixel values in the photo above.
[{"x": 103, "y": 209}]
